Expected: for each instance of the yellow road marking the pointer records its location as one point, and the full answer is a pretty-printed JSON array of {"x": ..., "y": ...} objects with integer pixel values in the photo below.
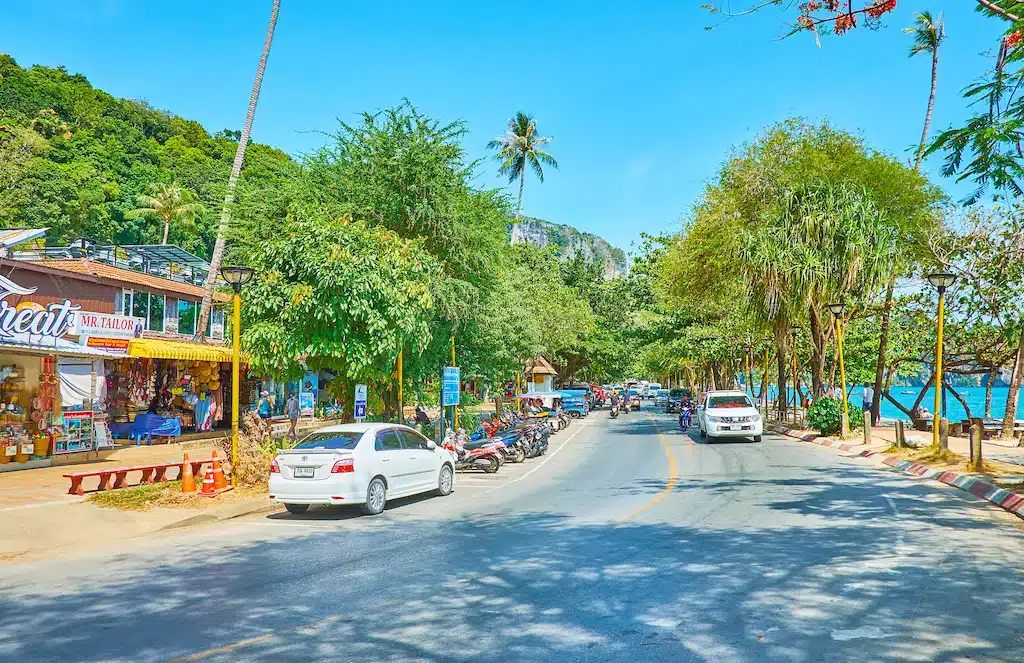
[
  {"x": 673, "y": 475},
  {"x": 198, "y": 656}
]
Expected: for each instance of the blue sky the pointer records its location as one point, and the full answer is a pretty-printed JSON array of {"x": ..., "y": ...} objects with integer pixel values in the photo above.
[{"x": 643, "y": 102}]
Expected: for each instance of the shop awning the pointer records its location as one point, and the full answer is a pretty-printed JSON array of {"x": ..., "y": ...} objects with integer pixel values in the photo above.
[
  {"x": 153, "y": 348},
  {"x": 52, "y": 346}
]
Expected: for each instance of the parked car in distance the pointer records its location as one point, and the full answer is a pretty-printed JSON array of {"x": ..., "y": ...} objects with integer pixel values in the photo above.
[
  {"x": 651, "y": 391},
  {"x": 728, "y": 414},
  {"x": 365, "y": 464},
  {"x": 675, "y": 399},
  {"x": 661, "y": 398},
  {"x": 634, "y": 399}
]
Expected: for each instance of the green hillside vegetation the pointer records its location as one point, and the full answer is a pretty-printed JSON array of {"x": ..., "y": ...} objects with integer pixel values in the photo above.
[{"x": 74, "y": 159}]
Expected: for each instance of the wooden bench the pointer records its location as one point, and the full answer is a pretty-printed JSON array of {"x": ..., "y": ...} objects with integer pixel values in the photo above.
[{"x": 152, "y": 473}]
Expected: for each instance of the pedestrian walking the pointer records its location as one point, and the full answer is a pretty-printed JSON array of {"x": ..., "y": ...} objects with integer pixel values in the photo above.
[
  {"x": 292, "y": 409},
  {"x": 263, "y": 409}
]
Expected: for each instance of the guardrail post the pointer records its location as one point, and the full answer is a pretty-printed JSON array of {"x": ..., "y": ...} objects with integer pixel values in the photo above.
[
  {"x": 867, "y": 427},
  {"x": 943, "y": 433}
]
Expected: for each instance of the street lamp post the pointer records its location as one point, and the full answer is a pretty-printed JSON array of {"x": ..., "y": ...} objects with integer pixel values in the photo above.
[
  {"x": 941, "y": 281},
  {"x": 837, "y": 312},
  {"x": 237, "y": 277}
]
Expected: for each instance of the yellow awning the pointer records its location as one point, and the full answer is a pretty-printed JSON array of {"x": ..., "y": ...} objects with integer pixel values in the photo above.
[{"x": 152, "y": 348}]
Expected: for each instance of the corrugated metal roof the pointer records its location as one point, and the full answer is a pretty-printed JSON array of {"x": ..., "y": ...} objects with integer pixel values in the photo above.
[{"x": 128, "y": 276}]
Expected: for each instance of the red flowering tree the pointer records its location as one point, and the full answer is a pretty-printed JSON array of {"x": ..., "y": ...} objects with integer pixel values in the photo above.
[{"x": 841, "y": 16}]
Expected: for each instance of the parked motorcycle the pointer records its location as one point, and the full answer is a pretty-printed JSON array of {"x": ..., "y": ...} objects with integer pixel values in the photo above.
[{"x": 479, "y": 455}]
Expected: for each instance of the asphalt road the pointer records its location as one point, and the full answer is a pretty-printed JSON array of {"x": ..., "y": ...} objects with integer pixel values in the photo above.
[{"x": 630, "y": 541}]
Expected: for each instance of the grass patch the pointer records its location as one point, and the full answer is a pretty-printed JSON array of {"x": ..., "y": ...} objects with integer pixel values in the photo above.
[
  {"x": 166, "y": 495},
  {"x": 136, "y": 498}
]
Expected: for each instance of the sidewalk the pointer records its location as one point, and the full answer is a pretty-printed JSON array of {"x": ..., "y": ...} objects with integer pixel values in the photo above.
[
  {"x": 999, "y": 450},
  {"x": 47, "y": 485}
]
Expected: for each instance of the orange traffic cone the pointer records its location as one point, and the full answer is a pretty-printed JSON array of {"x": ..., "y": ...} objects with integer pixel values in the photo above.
[
  {"x": 188, "y": 480},
  {"x": 219, "y": 482},
  {"x": 208, "y": 488}
]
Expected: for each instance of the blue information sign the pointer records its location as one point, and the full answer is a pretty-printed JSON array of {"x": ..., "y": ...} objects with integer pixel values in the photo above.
[
  {"x": 360, "y": 409},
  {"x": 450, "y": 385}
]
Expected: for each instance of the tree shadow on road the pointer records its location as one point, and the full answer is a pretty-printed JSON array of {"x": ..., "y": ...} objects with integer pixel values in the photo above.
[{"x": 533, "y": 587}]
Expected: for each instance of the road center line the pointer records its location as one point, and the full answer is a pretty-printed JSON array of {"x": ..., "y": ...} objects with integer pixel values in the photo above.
[{"x": 673, "y": 474}]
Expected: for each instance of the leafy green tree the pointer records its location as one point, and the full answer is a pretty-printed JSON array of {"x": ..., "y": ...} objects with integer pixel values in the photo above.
[
  {"x": 339, "y": 295},
  {"x": 520, "y": 149},
  {"x": 168, "y": 202}
]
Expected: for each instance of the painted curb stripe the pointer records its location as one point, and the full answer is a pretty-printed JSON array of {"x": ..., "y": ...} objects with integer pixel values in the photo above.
[{"x": 981, "y": 488}]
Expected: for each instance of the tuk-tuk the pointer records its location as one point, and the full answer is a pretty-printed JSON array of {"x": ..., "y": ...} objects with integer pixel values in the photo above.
[
  {"x": 551, "y": 402},
  {"x": 574, "y": 404}
]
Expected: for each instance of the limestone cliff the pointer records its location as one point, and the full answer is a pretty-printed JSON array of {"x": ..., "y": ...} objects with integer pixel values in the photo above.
[{"x": 570, "y": 242}]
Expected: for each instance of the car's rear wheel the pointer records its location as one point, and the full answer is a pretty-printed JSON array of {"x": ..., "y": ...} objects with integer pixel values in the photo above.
[
  {"x": 446, "y": 481},
  {"x": 376, "y": 497},
  {"x": 296, "y": 508}
]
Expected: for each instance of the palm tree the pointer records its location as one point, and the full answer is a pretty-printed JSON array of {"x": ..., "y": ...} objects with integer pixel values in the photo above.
[
  {"x": 928, "y": 35},
  {"x": 519, "y": 146},
  {"x": 236, "y": 168},
  {"x": 168, "y": 202}
]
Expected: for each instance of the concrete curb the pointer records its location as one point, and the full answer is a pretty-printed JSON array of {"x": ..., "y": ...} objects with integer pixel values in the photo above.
[
  {"x": 249, "y": 507},
  {"x": 1000, "y": 497}
]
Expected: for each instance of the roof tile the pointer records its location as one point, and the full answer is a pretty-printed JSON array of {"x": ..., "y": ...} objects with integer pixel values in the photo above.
[{"x": 105, "y": 271}]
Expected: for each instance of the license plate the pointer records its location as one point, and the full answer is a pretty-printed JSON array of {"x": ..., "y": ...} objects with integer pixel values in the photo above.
[
  {"x": 304, "y": 472},
  {"x": 726, "y": 427}
]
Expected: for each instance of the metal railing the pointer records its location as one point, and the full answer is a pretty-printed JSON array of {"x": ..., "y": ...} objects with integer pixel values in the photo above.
[{"x": 116, "y": 256}]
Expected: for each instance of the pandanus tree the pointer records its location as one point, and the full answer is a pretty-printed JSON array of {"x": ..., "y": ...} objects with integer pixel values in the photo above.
[
  {"x": 827, "y": 241},
  {"x": 519, "y": 149}
]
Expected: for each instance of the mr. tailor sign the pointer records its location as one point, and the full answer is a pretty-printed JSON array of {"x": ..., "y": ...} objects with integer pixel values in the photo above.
[{"x": 31, "y": 318}]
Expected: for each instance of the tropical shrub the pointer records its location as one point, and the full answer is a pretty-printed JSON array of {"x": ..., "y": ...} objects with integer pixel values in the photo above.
[{"x": 826, "y": 415}]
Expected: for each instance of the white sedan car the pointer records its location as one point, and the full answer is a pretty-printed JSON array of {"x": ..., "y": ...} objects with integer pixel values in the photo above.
[
  {"x": 365, "y": 464},
  {"x": 728, "y": 414}
]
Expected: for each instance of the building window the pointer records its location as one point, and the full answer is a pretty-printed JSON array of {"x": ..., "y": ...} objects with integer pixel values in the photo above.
[
  {"x": 215, "y": 325},
  {"x": 143, "y": 305},
  {"x": 186, "y": 317},
  {"x": 155, "y": 322}
]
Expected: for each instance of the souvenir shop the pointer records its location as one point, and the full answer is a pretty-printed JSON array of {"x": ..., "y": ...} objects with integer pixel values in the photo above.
[
  {"x": 149, "y": 398},
  {"x": 49, "y": 404}
]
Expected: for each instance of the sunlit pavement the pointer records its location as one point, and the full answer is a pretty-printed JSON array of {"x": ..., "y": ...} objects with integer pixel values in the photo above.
[{"x": 629, "y": 541}]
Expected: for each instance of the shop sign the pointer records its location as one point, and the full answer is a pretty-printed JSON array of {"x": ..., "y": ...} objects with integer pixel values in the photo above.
[
  {"x": 31, "y": 318},
  {"x": 78, "y": 433},
  {"x": 115, "y": 345},
  {"x": 106, "y": 325}
]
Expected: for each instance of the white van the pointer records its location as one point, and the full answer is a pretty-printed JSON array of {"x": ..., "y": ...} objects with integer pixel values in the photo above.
[{"x": 652, "y": 390}]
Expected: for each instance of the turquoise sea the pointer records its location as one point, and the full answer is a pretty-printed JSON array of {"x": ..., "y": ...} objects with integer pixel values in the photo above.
[{"x": 975, "y": 397}]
